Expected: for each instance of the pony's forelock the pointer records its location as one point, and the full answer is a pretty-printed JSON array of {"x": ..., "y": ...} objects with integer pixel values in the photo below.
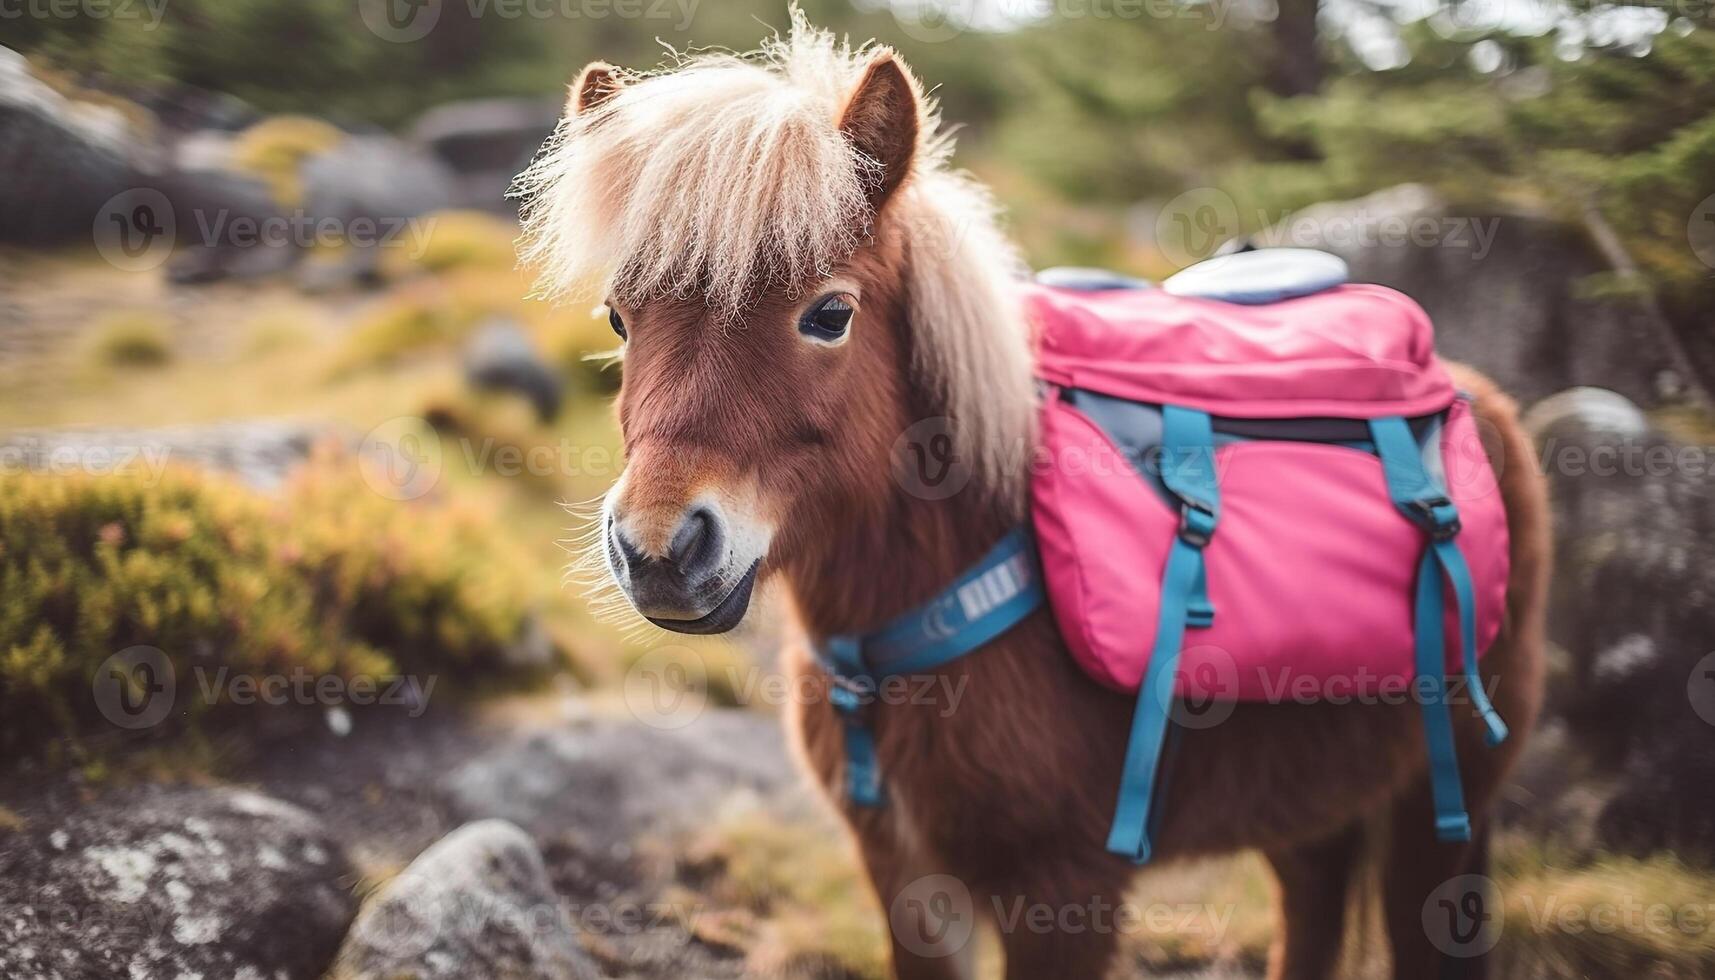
[
  {"x": 718, "y": 176},
  {"x": 723, "y": 175}
]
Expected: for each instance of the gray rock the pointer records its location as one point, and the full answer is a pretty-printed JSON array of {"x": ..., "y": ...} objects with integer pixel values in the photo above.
[
  {"x": 486, "y": 142},
  {"x": 501, "y": 357},
  {"x": 610, "y": 781},
  {"x": 168, "y": 882},
  {"x": 62, "y": 159},
  {"x": 1503, "y": 290},
  {"x": 477, "y": 903},
  {"x": 1586, "y": 410},
  {"x": 373, "y": 188},
  {"x": 1633, "y": 606},
  {"x": 375, "y": 177}
]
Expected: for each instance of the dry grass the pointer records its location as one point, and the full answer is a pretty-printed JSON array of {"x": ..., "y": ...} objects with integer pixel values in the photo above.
[
  {"x": 131, "y": 339},
  {"x": 456, "y": 241},
  {"x": 790, "y": 894}
]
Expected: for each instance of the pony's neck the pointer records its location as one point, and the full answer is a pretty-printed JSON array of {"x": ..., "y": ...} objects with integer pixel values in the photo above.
[{"x": 872, "y": 568}]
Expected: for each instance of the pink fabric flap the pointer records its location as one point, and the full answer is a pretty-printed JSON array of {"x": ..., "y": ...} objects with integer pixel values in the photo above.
[{"x": 1356, "y": 351}]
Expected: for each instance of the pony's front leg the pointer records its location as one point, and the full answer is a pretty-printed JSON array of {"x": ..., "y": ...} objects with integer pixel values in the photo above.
[
  {"x": 930, "y": 914},
  {"x": 1058, "y": 922}
]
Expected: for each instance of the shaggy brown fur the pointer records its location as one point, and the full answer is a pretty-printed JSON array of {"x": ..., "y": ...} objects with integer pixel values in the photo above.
[{"x": 1013, "y": 792}]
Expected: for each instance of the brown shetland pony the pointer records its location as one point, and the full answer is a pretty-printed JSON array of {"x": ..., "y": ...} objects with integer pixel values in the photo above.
[{"x": 732, "y": 209}]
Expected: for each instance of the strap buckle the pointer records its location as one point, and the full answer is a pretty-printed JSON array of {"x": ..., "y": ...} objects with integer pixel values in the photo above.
[
  {"x": 852, "y": 697},
  {"x": 1436, "y": 516},
  {"x": 1196, "y": 522}
]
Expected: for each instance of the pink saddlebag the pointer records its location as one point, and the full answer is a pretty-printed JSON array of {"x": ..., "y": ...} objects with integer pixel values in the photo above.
[
  {"x": 1284, "y": 501},
  {"x": 1312, "y": 568}
]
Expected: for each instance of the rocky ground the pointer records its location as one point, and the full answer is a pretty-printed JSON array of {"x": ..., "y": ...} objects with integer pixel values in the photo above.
[{"x": 453, "y": 847}]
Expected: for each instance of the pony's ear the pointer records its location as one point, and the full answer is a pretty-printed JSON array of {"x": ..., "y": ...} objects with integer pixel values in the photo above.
[
  {"x": 598, "y": 82},
  {"x": 881, "y": 120}
]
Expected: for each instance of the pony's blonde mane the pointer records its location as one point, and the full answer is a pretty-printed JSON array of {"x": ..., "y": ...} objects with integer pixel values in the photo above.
[{"x": 725, "y": 174}]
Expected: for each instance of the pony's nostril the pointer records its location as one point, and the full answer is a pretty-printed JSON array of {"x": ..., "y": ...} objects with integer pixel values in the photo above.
[
  {"x": 628, "y": 554},
  {"x": 697, "y": 548}
]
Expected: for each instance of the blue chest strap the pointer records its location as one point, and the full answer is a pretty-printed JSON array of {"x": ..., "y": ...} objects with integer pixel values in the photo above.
[
  {"x": 1419, "y": 497},
  {"x": 991, "y": 597}
]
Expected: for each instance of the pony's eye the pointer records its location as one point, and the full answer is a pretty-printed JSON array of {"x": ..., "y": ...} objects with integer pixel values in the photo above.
[
  {"x": 616, "y": 321},
  {"x": 828, "y": 319}
]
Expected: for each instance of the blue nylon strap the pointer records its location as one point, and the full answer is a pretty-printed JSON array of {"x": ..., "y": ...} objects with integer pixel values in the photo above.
[
  {"x": 1418, "y": 496},
  {"x": 993, "y": 596},
  {"x": 1003, "y": 587},
  {"x": 852, "y": 692},
  {"x": 1188, "y": 469},
  {"x": 1129, "y": 835}
]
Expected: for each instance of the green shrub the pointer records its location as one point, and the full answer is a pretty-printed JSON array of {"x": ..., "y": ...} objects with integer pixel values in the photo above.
[
  {"x": 132, "y": 340},
  {"x": 331, "y": 579},
  {"x": 274, "y": 149}
]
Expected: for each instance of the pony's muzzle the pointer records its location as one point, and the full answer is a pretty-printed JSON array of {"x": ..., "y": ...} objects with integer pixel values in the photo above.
[{"x": 690, "y": 584}]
